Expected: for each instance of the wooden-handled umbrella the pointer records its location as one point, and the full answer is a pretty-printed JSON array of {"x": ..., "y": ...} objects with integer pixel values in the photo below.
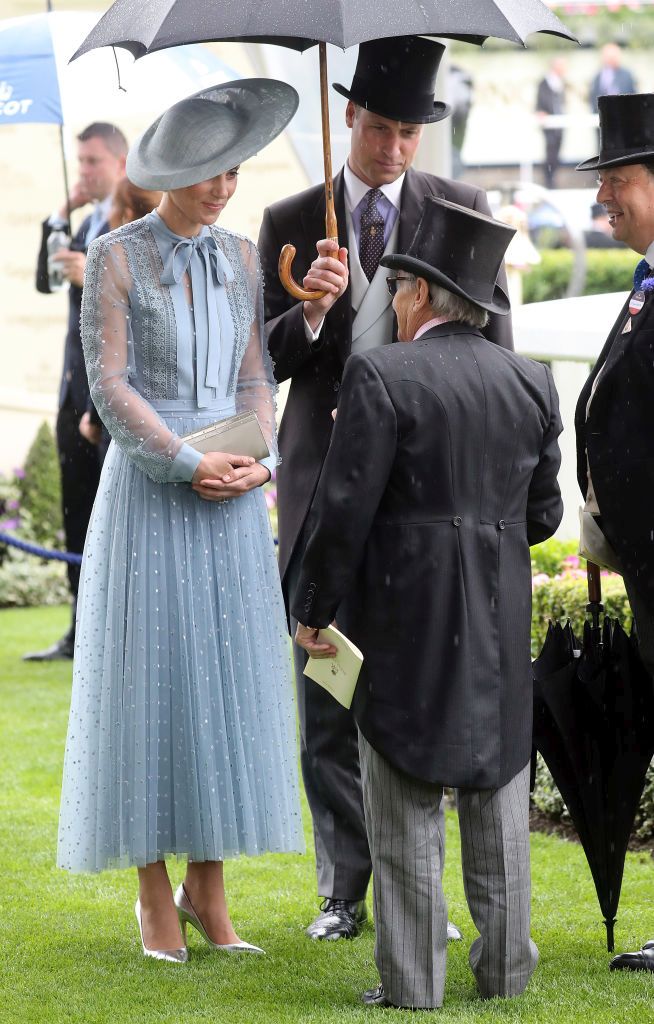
[
  {"x": 299, "y": 24},
  {"x": 287, "y": 255}
]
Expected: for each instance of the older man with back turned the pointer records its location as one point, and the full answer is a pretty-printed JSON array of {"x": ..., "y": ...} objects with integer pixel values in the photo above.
[
  {"x": 440, "y": 474},
  {"x": 378, "y": 198},
  {"x": 615, "y": 412}
]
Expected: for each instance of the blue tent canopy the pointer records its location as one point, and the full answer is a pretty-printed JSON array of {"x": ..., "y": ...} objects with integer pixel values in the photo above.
[{"x": 29, "y": 89}]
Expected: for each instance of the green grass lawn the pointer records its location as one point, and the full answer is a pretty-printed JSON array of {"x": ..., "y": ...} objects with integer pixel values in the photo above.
[{"x": 70, "y": 949}]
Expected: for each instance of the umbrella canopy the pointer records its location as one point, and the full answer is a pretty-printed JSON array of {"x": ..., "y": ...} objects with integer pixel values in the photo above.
[
  {"x": 39, "y": 86},
  {"x": 157, "y": 24},
  {"x": 594, "y": 726}
]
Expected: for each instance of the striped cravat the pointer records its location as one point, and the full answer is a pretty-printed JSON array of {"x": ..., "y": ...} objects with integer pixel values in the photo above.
[{"x": 642, "y": 271}]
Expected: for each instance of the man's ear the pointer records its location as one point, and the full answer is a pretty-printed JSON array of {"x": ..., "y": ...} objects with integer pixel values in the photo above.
[{"x": 421, "y": 293}]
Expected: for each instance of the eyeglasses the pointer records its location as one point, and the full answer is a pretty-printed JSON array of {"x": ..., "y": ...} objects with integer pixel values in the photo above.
[{"x": 392, "y": 283}]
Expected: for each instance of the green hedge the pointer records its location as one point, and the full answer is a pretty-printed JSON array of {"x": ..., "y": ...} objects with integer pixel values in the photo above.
[{"x": 607, "y": 270}]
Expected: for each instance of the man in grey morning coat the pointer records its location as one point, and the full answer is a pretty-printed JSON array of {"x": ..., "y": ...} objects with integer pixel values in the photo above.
[{"x": 440, "y": 474}]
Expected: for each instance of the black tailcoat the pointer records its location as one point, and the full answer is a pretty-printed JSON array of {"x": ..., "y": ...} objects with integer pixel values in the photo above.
[
  {"x": 440, "y": 474},
  {"x": 315, "y": 370},
  {"x": 619, "y": 437},
  {"x": 80, "y": 461}
]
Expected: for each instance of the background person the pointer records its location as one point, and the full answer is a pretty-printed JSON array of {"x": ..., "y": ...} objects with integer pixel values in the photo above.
[
  {"x": 379, "y": 199},
  {"x": 420, "y": 539},
  {"x": 611, "y": 79},
  {"x": 550, "y": 101},
  {"x": 614, "y": 418},
  {"x": 101, "y": 152},
  {"x": 181, "y": 732}
]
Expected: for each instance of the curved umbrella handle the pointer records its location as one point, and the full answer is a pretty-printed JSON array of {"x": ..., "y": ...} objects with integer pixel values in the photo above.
[{"x": 286, "y": 257}]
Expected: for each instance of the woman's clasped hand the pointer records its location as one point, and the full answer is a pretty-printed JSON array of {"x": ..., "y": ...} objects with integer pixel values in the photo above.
[{"x": 220, "y": 476}]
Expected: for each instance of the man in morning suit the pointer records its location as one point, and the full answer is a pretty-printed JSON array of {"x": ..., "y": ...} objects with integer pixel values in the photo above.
[
  {"x": 440, "y": 474},
  {"x": 101, "y": 152},
  {"x": 378, "y": 200},
  {"x": 614, "y": 419},
  {"x": 550, "y": 101}
]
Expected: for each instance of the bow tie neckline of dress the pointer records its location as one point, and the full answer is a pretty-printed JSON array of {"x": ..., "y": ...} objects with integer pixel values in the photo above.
[{"x": 217, "y": 271}]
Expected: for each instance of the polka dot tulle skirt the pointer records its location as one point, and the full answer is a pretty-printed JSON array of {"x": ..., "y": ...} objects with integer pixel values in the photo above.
[{"x": 181, "y": 737}]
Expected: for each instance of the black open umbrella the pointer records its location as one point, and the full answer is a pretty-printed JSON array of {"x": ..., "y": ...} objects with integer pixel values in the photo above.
[
  {"x": 299, "y": 24},
  {"x": 594, "y": 726}
]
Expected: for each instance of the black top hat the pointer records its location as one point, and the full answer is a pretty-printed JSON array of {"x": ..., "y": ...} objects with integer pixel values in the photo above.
[
  {"x": 626, "y": 131},
  {"x": 396, "y": 78},
  {"x": 459, "y": 249}
]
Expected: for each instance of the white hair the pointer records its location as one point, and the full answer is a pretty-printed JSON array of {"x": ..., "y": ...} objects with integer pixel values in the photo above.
[{"x": 454, "y": 307}]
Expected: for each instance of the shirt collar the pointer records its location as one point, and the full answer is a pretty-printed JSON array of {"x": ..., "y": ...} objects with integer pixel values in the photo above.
[
  {"x": 434, "y": 322},
  {"x": 355, "y": 189},
  {"x": 649, "y": 255},
  {"x": 103, "y": 208}
]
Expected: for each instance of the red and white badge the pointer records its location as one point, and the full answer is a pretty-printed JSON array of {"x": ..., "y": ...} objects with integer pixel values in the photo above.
[{"x": 636, "y": 302}]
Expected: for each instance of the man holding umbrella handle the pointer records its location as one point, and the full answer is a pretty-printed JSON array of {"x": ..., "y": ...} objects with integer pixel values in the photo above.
[
  {"x": 379, "y": 199},
  {"x": 615, "y": 412}
]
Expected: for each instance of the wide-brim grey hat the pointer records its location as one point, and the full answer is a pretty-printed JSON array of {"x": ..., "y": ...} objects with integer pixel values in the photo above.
[{"x": 210, "y": 132}]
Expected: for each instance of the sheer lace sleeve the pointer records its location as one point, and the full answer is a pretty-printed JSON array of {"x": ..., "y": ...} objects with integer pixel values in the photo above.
[
  {"x": 109, "y": 353},
  {"x": 255, "y": 384}
]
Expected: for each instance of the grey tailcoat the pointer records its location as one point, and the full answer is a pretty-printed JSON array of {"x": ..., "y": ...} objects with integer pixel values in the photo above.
[{"x": 440, "y": 474}]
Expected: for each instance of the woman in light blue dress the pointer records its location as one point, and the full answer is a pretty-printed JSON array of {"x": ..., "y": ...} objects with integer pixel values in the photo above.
[{"x": 181, "y": 737}]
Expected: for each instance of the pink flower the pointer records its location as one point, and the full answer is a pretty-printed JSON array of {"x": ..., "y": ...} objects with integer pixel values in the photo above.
[
  {"x": 571, "y": 561},
  {"x": 271, "y": 498},
  {"x": 539, "y": 579}
]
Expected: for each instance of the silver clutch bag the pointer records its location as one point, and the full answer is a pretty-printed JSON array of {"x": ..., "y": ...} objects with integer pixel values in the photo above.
[{"x": 237, "y": 435}]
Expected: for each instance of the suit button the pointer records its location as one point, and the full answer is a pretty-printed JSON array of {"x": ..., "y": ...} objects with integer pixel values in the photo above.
[
  {"x": 336, "y": 386},
  {"x": 501, "y": 524},
  {"x": 457, "y": 521}
]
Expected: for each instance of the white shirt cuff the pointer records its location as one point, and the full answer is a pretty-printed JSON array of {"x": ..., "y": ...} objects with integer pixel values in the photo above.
[{"x": 312, "y": 335}]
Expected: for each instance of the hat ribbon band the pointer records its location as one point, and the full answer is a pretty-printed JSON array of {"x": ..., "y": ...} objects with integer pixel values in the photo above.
[{"x": 217, "y": 270}]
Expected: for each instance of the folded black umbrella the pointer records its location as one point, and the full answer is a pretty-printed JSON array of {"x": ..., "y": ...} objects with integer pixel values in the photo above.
[{"x": 594, "y": 726}]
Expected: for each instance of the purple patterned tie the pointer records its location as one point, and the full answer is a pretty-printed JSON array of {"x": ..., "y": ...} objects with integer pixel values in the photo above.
[{"x": 371, "y": 243}]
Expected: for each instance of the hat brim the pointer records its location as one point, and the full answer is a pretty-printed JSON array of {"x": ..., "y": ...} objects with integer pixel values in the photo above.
[
  {"x": 595, "y": 163},
  {"x": 395, "y": 261},
  {"x": 440, "y": 111},
  {"x": 145, "y": 171}
]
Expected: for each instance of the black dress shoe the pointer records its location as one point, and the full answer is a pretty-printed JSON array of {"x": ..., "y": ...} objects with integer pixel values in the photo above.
[
  {"x": 338, "y": 919},
  {"x": 63, "y": 650},
  {"x": 377, "y": 997},
  {"x": 643, "y": 960}
]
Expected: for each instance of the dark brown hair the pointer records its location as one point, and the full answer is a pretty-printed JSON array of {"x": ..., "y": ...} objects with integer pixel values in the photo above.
[
  {"x": 112, "y": 137},
  {"x": 129, "y": 202}
]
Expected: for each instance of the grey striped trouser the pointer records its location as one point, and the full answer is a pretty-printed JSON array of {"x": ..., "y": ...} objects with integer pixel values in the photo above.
[{"x": 410, "y": 908}]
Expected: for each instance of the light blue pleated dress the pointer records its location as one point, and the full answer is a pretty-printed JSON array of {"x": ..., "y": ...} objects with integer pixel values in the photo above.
[{"x": 181, "y": 737}]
